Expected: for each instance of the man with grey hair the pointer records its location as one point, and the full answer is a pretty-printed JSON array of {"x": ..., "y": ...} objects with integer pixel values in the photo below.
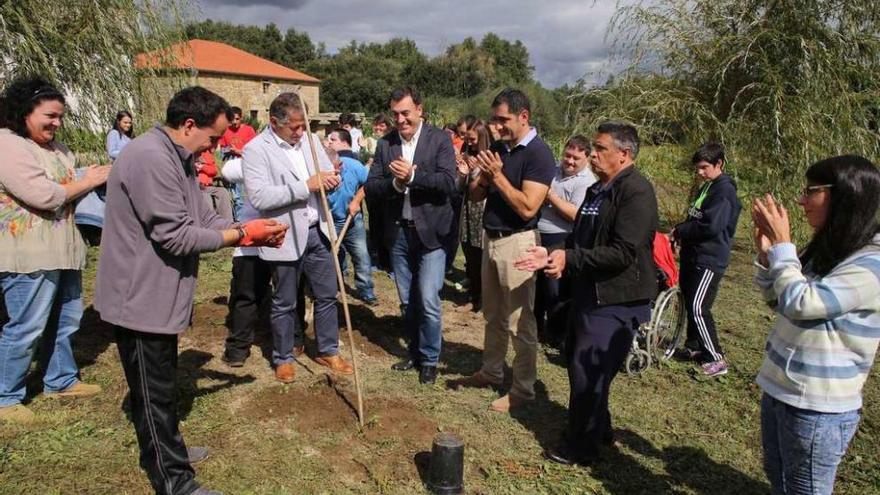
[
  {"x": 277, "y": 167},
  {"x": 611, "y": 266}
]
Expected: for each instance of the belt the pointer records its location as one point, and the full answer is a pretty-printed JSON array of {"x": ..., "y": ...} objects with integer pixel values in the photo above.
[
  {"x": 498, "y": 234},
  {"x": 406, "y": 223}
]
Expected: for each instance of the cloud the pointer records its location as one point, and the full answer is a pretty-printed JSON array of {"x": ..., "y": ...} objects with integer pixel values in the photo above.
[
  {"x": 287, "y": 4},
  {"x": 565, "y": 38}
]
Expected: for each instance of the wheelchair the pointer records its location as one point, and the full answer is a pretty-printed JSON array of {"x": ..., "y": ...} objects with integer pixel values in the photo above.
[{"x": 657, "y": 340}]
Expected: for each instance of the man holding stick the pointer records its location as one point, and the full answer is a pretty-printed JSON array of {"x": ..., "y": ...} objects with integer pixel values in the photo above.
[
  {"x": 276, "y": 167},
  {"x": 414, "y": 173}
]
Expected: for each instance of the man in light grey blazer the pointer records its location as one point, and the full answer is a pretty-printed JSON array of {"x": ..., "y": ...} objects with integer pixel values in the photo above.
[{"x": 278, "y": 180}]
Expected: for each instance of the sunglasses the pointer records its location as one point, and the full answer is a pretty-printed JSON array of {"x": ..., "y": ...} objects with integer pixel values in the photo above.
[{"x": 808, "y": 190}]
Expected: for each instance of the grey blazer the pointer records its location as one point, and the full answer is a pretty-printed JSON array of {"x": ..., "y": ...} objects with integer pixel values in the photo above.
[{"x": 275, "y": 190}]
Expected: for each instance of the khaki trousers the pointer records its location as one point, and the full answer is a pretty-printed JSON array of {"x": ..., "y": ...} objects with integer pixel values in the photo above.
[{"x": 508, "y": 306}]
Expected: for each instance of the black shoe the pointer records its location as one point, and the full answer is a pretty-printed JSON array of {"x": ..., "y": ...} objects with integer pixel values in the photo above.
[
  {"x": 233, "y": 362},
  {"x": 427, "y": 375},
  {"x": 405, "y": 365},
  {"x": 562, "y": 454}
]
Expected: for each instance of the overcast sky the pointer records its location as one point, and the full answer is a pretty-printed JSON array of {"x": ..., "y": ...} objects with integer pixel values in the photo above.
[{"x": 565, "y": 39}]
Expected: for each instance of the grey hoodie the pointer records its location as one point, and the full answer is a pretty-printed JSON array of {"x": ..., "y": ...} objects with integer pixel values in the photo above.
[{"x": 157, "y": 222}]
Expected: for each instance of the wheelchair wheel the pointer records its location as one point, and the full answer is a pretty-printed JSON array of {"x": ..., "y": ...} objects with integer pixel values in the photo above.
[
  {"x": 668, "y": 321},
  {"x": 637, "y": 361}
]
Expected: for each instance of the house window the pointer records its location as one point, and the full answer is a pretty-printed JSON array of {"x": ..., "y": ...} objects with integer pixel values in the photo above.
[
  {"x": 254, "y": 114},
  {"x": 265, "y": 87}
]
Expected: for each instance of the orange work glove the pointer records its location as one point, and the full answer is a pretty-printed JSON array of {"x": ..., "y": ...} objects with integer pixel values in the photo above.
[{"x": 262, "y": 232}]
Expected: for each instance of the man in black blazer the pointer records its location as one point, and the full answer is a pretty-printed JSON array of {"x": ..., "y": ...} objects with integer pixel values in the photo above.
[{"x": 414, "y": 174}]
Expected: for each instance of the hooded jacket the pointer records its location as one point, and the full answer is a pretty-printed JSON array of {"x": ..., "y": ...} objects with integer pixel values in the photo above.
[{"x": 707, "y": 234}]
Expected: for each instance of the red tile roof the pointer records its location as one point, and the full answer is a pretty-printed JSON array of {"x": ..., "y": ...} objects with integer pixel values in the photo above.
[{"x": 220, "y": 58}]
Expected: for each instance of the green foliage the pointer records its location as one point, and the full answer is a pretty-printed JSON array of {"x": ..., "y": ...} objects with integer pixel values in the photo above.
[
  {"x": 87, "y": 49},
  {"x": 781, "y": 83},
  {"x": 292, "y": 50},
  {"x": 463, "y": 79}
]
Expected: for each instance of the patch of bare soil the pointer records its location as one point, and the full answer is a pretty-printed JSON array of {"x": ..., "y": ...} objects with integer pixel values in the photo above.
[{"x": 383, "y": 451}]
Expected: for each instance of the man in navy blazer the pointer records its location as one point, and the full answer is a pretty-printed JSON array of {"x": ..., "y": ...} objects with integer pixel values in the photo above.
[{"x": 413, "y": 174}]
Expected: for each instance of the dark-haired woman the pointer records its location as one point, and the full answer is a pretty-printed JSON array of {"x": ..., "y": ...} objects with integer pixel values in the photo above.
[
  {"x": 41, "y": 251},
  {"x": 476, "y": 139},
  {"x": 824, "y": 342},
  {"x": 121, "y": 134}
]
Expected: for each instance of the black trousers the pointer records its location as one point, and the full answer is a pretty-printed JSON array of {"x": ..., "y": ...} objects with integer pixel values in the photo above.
[
  {"x": 248, "y": 290},
  {"x": 548, "y": 291},
  {"x": 699, "y": 286},
  {"x": 379, "y": 253},
  {"x": 599, "y": 341},
  {"x": 473, "y": 260},
  {"x": 150, "y": 364}
]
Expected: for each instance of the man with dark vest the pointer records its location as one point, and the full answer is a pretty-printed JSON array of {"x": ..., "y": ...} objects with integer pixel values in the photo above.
[
  {"x": 609, "y": 260},
  {"x": 414, "y": 174}
]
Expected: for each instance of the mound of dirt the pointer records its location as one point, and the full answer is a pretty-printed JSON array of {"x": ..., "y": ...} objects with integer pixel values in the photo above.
[{"x": 394, "y": 431}]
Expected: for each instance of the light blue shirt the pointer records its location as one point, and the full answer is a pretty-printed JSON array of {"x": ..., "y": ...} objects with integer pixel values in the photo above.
[
  {"x": 115, "y": 142},
  {"x": 572, "y": 189},
  {"x": 354, "y": 175}
]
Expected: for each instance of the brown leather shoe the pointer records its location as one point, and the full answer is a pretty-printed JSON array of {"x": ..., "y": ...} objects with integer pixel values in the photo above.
[
  {"x": 298, "y": 350},
  {"x": 336, "y": 364},
  {"x": 285, "y": 372},
  {"x": 477, "y": 380},
  {"x": 507, "y": 403}
]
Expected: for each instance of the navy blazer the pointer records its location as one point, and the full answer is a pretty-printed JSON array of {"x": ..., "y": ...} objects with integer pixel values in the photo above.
[{"x": 430, "y": 189}]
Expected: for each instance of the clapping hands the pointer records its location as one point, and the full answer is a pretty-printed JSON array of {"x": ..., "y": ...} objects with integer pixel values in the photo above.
[
  {"x": 772, "y": 225},
  {"x": 537, "y": 258}
]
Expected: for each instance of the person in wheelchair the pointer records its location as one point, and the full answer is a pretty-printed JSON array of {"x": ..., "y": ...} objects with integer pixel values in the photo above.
[{"x": 706, "y": 237}]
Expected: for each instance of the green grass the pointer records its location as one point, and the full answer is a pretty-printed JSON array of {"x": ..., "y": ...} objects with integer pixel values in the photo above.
[{"x": 679, "y": 434}]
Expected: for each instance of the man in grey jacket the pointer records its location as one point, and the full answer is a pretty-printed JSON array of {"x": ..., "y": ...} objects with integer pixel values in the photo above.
[
  {"x": 278, "y": 182},
  {"x": 156, "y": 225}
]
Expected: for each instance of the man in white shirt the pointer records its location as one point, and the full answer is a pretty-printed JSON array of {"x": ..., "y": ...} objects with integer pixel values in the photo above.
[
  {"x": 348, "y": 122},
  {"x": 277, "y": 168}
]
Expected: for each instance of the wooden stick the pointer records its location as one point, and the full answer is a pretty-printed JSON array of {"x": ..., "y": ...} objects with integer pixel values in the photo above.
[
  {"x": 341, "y": 235},
  {"x": 339, "y": 278}
]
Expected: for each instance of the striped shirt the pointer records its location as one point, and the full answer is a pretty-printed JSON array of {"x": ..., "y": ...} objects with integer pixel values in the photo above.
[{"x": 825, "y": 337}]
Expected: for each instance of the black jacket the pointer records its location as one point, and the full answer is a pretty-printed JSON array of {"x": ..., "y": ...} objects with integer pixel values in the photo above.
[
  {"x": 707, "y": 234},
  {"x": 430, "y": 190},
  {"x": 619, "y": 262}
]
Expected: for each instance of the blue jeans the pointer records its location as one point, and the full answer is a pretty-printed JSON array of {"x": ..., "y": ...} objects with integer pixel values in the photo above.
[
  {"x": 802, "y": 448},
  {"x": 412, "y": 261},
  {"x": 355, "y": 243},
  {"x": 31, "y": 298}
]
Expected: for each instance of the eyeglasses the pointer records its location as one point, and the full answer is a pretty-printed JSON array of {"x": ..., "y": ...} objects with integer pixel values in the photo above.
[{"x": 808, "y": 190}]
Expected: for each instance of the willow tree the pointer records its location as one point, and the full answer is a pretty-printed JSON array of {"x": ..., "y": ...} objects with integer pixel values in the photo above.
[
  {"x": 87, "y": 47},
  {"x": 781, "y": 82}
]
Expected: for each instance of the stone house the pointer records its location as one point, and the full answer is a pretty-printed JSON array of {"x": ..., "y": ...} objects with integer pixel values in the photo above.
[{"x": 243, "y": 79}]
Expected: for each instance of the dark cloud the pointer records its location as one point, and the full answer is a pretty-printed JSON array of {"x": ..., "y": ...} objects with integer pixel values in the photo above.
[{"x": 565, "y": 39}]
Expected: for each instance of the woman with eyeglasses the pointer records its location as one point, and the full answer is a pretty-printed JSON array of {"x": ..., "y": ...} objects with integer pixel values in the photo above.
[
  {"x": 823, "y": 344},
  {"x": 42, "y": 253}
]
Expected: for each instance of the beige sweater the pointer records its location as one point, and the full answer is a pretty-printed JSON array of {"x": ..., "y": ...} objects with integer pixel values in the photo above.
[{"x": 37, "y": 229}]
